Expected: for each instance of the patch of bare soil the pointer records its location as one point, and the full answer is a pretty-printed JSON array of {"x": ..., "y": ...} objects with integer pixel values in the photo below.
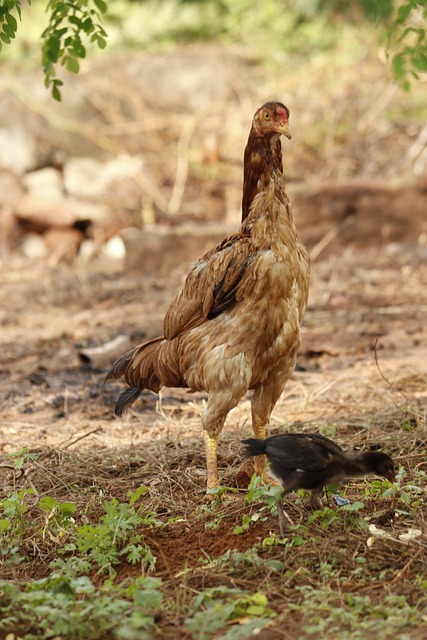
[{"x": 58, "y": 407}]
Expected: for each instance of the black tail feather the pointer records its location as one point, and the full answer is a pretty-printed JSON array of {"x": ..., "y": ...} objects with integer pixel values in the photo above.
[
  {"x": 126, "y": 399},
  {"x": 119, "y": 367},
  {"x": 254, "y": 447}
]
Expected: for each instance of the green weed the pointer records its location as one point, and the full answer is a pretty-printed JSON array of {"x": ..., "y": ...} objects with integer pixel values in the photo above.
[
  {"x": 213, "y": 609},
  {"x": 328, "y": 614},
  {"x": 114, "y": 538},
  {"x": 13, "y": 526},
  {"x": 266, "y": 495},
  {"x": 74, "y": 607},
  {"x": 409, "y": 496}
]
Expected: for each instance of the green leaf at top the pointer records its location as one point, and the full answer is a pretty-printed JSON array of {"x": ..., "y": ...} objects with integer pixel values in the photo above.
[{"x": 101, "y": 5}]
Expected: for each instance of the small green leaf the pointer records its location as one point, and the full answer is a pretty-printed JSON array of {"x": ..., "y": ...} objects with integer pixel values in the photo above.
[
  {"x": 4, "y": 525},
  {"x": 102, "y": 43},
  {"x": 78, "y": 49},
  {"x": 9, "y": 31},
  {"x": 101, "y": 5},
  {"x": 148, "y": 598},
  {"x": 135, "y": 495},
  {"x": 399, "y": 66},
  {"x": 419, "y": 60},
  {"x": 47, "y": 503},
  {"x": 18, "y": 463},
  {"x": 72, "y": 64},
  {"x": 260, "y": 599},
  {"x": 355, "y": 506},
  {"x": 76, "y": 21},
  {"x": 403, "y": 12},
  {"x": 56, "y": 94},
  {"x": 11, "y": 21},
  {"x": 67, "y": 508}
]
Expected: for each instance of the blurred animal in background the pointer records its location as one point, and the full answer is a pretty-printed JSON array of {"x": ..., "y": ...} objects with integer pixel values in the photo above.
[
  {"x": 235, "y": 323},
  {"x": 311, "y": 461}
]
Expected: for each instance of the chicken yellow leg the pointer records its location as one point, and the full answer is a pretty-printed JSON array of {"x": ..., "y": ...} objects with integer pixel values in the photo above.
[
  {"x": 211, "y": 460},
  {"x": 263, "y": 401},
  {"x": 213, "y": 418}
]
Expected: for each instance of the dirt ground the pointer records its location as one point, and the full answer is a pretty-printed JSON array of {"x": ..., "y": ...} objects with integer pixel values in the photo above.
[
  {"x": 357, "y": 300},
  {"x": 361, "y": 379}
]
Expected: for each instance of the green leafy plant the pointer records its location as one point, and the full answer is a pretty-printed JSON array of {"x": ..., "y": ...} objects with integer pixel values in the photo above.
[
  {"x": 355, "y": 616},
  {"x": 407, "y": 41},
  {"x": 70, "y": 22},
  {"x": 266, "y": 495},
  {"x": 244, "y": 561},
  {"x": 8, "y": 22},
  {"x": 212, "y": 609},
  {"x": 348, "y": 513},
  {"x": 114, "y": 538},
  {"x": 71, "y": 606},
  {"x": 13, "y": 525},
  {"x": 59, "y": 516},
  {"x": 62, "y": 38},
  {"x": 19, "y": 459},
  {"x": 409, "y": 495}
]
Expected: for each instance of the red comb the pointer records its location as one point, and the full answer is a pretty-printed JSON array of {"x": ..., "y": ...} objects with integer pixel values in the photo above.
[{"x": 282, "y": 113}]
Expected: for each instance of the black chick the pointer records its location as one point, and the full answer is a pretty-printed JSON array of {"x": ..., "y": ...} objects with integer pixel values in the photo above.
[{"x": 311, "y": 461}]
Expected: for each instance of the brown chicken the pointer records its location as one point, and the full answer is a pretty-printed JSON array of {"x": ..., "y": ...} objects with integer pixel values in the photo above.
[{"x": 235, "y": 323}]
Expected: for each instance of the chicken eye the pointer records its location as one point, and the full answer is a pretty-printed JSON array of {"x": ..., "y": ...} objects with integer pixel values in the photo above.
[{"x": 266, "y": 115}]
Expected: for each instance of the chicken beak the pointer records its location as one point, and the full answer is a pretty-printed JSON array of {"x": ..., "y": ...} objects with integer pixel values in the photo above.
[{"x": 284, "y": 130}]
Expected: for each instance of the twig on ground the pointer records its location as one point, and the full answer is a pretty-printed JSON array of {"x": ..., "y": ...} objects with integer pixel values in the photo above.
[{"x": 85, "y": 435}]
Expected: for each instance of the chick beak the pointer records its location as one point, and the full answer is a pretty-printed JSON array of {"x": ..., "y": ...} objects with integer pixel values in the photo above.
[
  {"x": 390, "y": 475},
  {"x": 284, "y": 130}
]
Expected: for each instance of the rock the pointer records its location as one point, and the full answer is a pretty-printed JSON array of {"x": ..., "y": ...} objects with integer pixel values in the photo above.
[
  {"x": 39, "y": 213},
  {"x": 115, "y": 182},
  {"x": 18, "y": 151},
  {"x": 46, "y": 183},
  {"x": 115, "y": 248},
  {"x": 87, "y": 250},
  {"x": 33, "y": 246}
]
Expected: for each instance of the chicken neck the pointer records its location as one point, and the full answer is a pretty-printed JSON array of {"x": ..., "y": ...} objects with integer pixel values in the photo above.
[
  {"x": 263, "y": 156},
  {"x": 266, "y": 211}
]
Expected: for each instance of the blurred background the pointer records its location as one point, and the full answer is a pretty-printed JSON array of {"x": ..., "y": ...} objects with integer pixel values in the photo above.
[{"x": 151, "y": 130}]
